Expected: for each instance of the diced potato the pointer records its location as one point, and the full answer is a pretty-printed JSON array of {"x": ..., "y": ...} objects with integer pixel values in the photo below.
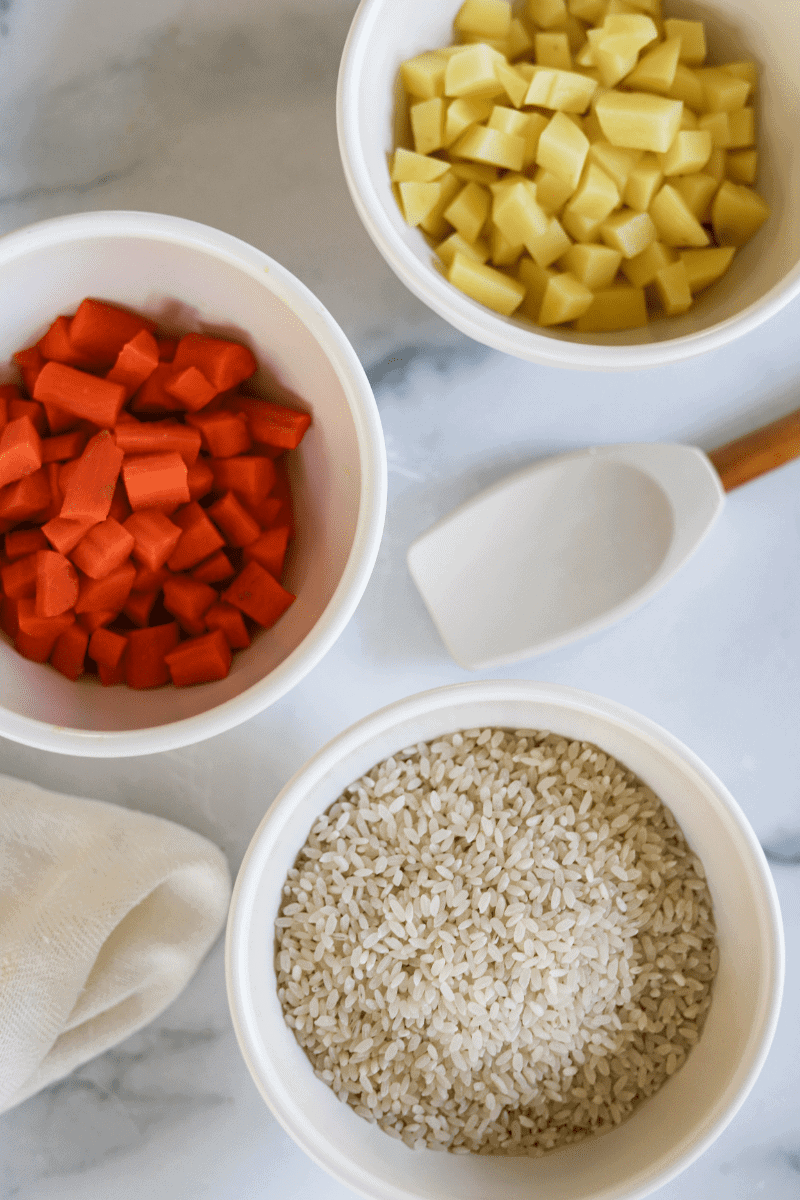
[
  {"x": 590, "y": 11},
  {"x": 537, "y": 123},
  {"x": 655, "y": 71},
  {"x": 508, "y": 120},
  {"x": 716, "y": 166},
  {"x": 552, "y": 192},
  {"x": 614, "y": 160},
  {"x": 484, "y": 18},
  {"x": 418, "y": 200},
  {"x": 576, "y": 34},
  {"x": 455, "y": 244},
  {"x": 585, "y": 56},
  {"x": 698, "y": 191},
  {"x": 550, "y": 245},
  {"x": 594, "y": 265},
  {"x": 688, "y": 119},
  {"x": 614, "y": 58},
  {"x": 503, "y": 252},
  {"x": 582, "y": 229},
  {"x": 548, "y": 14},
  {"x": 672, "y": 286},
  {"x": 565, "y": 298},
  {"x": 742, "y": 127},
  {"x": 517, "y": 214},
  {"x": 471, "y": 72},
  {"x": 408, "y": 167},
  {"x": 692, "y": 37},
  {"x": 686, "y": 86},
  {"x": 427, "y": 125},
  {"x": 552, "y": 50},
  {"x": 674, "y": 220},
  {"x": 434, "y": 223},
  {"x": 737, "y": 213},
  {"x": 651, "y": 7},
  {"x": 722, "y": 92},
  {"x": 628, "y": 231},
  {"x": 423, "y": 75},
  {"x": 704, "y": 266},
  {"x": 490, "y": 146},
  {"x": 638, "y": 120},
  {"x": 562, "y": 149},
  {"x": 565, "y": 91},
  {"x": 641, "y": 270},
  {"x": 469, "y": 211},
  {"x": 614, "y": 308},
  {"x": 463, "y": 113},
  {"x": 519, "y": 39},
  {"x": 485, "y": 284},
  {"x": 596, "y": 196},
  {"x": 744, "y": 69},
  {"x": 514, "y": 83},
  {"x": 689, "y": 152},
  {"x": 475, "y": 172},
  {"x": 718, "y": 125},
  {"x": 742, "y": 166},
  {"x": 535, "y": 280},
  {"x": 643, "y": 182},
  {"x": 638, "y": 27}
]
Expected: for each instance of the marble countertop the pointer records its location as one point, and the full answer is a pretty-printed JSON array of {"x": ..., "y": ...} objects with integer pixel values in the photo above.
[{"x": 224, "y": 113}]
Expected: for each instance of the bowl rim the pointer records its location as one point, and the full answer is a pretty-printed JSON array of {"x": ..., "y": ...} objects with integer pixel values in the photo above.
[
  {"x": 372, "y": 502},
  {"x": 256, "y": 861},
  {"x": 467, "y": 315}
]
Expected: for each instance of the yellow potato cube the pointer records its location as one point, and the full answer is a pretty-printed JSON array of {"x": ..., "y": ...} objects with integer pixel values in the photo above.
[
  {"x": 676, "y": 223},
  {"x": 517, "y": 214},
  {"x": 692, "y": 37},
  {"x": 643, "y": 182},
  {"x": 614, "y": 308},
  {"x": 742, "y": 126},
  {"x": 641, "y": 270},
  {"x": 597, "y": 195},
  {"x": 537, "y": 123},
  {"x": 639, "y": 28},
  {"x": 461, "y": 114},
  {"x": 722, "y": 92},
  {"x": 519, "y": 39},
  {"x": 590, "y": 11},
  {"x": 737, "y": 213},
  {"x": 718, "y": 125},
  {"x": 455, "y": 244},
  {"x": 418, "y": 200},
  {"x": 552, "y": 192},
  {"x": 698, "y": 191},
  {"x": 562, "y": 149},
  {"x": 716, "y": 165},
  {"x": 688, "y": 119},
  {"x": 423, "y": 76},
  {"x": 515, "y": 84},
  {"x": 594, "y": 265},
  {"x": 686, "y": 86},
  {"x": 742, "y": 166},
  {"x": 490, "y": 146},
  {"x": 427, "y": 125},
  {"x": 565, "y": 91},
  {"x": 503, "y": 252},
  {"x": 576, "y": 34},
  {"x": 535, "y": 280},
  {"x": 483, "y": 18},
  {"x": 689, "y": 152},
  {"x": 471, "y": 72},
  {"x": 434, "y": 223},
  {"x": 628, "y": 231},
  {"x": 672, "y": 286},
  {"x": 550, "y": 245},
  {"x": 614, "y": 160},
  {"x": 547, "y": 14},
  {"x": 508, "y": 120},
  {"x": 485, "y": 284},
  {"x": 408, "y": 167},
  {"x": 638, "y": 120},
  {"x": 474, "y": 172},
  {"x": 469, "y": 211},
  {"x": 704, "y": 266},
  {"x": 655, "y": 71},
  {"x": 651, "y": 7},
  {"x": 614, "y": 58},
  {"x": 743, "y": 70},
  {"x": 585, "y": 56},
  {"x": 552, "y": 50},
  {"x": 565, "y": 298},
  {"x": 582, "y": 229}
]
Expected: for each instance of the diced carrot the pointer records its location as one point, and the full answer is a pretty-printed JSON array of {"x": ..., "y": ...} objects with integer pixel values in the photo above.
[
  {"x": 269, "y": 550},
  {"x": 90, "y": 621},
  {"x": 77, "y": 392},
  {"x": 200, "y": 659},
  {"x": 9, "y": 392},
  {"x": 152, "y": 396},
  {"x": 275, "y": 424},
  {"x": 9, "y": 621},
  {"x": 144, "y": 659},
  {"x": 104, "y": 548},
  {"x": 250, "y": 476},
  {"x": 109, "y": 593},
  {"x": 25, "y": 499},
  {"x": 224, "y": 364},
  {"x": 282, "y": 490},
  {"x": 156, "y": 481},
  {"x": 150, "y": 437},
  {"x": 63, "y": 534},
  {"x": 120, "y": 510},
  {"x": 267, "y": 512},
  {"x": 34, "y": 625},
  {"x": 53, "y": 470},
  {"x": 109, "y": 676},
  {"x": 139, "y": 606},
  {"x": 166, "y": 348},
  {"x": 224, "y": 433},
  {"x": 227, "y": 618},
  {"x": 100, "y": 330},
  {"x": 258, "y": 594},
  {"x": 89, "y": 490},
  {"x": 239, "y": 527},
  {"x": 21, "y": 542},
  {"x": 190, "y": 387},
  {"x": 56, "y": 345},
  {"x": 199, "y": 537},
  {"x": 214, "y": 569},
  {"x": 19, "y": 578},
  {"x": 30, "y": 363},
  {"x": 29, "y": 408},
  {"x": 200, "y": 479},
  {"x": 147, "y": 580},
  {"x": 64, "y": 447},
  {"x": 135, "y": 362},
  {"x": 56, "y": 584},
  {"x": 187, "y": 598},
  {"x": 154, "y": 535},
  {"x": 58, "y": 419},
  {"x": 37, "y": 649},
  {"x": 20, "y": 450},
  {"x": 107, "y": 647},
  {"x": 69, "y": 652}
]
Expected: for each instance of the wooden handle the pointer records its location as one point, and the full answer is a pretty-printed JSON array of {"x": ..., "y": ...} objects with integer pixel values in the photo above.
[{"x": 756, "y": 453}]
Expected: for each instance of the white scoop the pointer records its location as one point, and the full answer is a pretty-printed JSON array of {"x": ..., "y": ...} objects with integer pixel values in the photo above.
[{"x": 569, "y": 545}]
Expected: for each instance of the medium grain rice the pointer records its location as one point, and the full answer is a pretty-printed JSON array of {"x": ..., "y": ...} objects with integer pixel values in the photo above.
[{"x": 496, "y": 942}]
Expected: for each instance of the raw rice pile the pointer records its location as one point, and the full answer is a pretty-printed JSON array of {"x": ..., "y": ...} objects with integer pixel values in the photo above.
[{"x": 496, "y": 942}]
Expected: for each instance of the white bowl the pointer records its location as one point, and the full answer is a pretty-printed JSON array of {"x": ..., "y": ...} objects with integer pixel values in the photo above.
[
  {"x": 765, "y": 274},
  {"x": 191, "y": 277},
  {"x": 673, "y": 1127}
]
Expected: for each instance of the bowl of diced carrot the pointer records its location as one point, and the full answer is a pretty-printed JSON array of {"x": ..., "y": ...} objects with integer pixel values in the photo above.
[{"x": 192, "y": 483}]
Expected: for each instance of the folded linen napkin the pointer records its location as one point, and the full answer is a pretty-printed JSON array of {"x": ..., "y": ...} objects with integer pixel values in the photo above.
[{"x": 105, "y": 914}]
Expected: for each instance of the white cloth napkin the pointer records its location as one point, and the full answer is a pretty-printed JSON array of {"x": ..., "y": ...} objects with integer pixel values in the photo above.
[{"x": 105, "y": 914}]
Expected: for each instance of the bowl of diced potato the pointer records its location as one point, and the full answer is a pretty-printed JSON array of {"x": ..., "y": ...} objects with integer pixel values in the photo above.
[{"x": 598, "y": 184}]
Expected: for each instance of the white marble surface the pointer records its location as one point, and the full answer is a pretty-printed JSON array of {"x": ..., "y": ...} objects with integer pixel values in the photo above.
[{"x": 224, "y": 112}]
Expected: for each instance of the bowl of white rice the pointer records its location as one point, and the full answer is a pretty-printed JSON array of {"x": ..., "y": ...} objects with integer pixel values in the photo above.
[{"x": 504, "y": 940}]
